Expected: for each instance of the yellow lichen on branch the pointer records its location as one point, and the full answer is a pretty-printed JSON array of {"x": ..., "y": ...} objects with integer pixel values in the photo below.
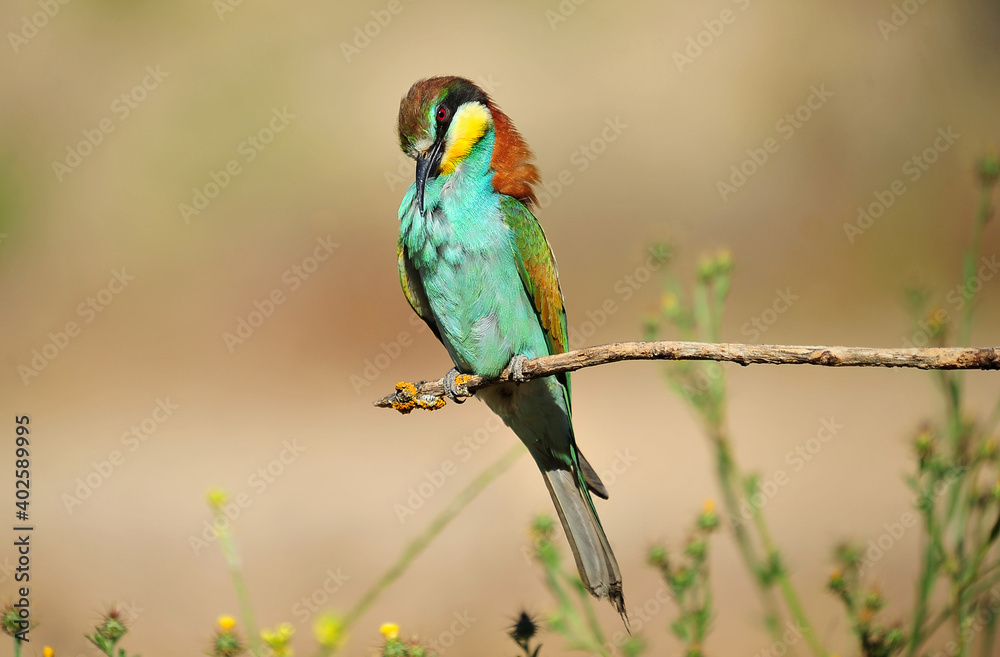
[
  {"x": 406, "y": 399},
  {"x": 430, "y": 395}
]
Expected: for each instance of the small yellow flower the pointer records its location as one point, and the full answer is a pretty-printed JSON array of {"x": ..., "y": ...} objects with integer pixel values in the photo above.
[
  {"x": 724, "y": 260},
  {"x": 836, "y": 583},
  {"x": 706, "y": 267},
  {"x": 279, "y": 638},
  {"x": 329, "y": 630},
  {"x": 708, "y": 520},
  {"x": 389, "y": 630},
  {"x": 217, "y": 497},
  {"x": 227, "y": 623},
  {"x": 47, "y": 651}
]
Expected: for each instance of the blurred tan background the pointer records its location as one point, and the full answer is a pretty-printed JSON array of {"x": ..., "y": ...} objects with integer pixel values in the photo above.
[{"x": 217, "y": 74}]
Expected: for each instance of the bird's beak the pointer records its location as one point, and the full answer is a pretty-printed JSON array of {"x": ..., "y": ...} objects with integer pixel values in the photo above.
[{"x": 428, "y": 166}]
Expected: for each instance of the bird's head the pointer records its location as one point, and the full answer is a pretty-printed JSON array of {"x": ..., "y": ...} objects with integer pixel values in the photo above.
[{"x": 442, "y": 119}]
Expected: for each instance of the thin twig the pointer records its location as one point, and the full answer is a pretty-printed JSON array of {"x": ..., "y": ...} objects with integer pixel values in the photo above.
[{"x": 427, "y": 394}]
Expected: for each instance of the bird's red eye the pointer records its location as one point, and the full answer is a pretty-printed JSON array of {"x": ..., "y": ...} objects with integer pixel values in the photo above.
[{"x": 442, "y": 114}]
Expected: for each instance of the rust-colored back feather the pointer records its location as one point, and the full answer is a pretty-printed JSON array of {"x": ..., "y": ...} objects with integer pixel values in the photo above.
[{"x": 515, "y": 174}]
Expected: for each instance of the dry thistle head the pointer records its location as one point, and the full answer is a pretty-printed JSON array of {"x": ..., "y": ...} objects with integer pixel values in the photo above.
[
  {"x": 225, "y": 643},
  {"x": 848, "y": 555},
  {"x": 836, "y": 583},
  {"x": 662, "y": 252},
  {"x": 659, "y": 557},
  {"x": 393, "y": 647},
  {"x": 112, "y": 626},
  {"x": 709, "y": 519},
  {"x": 682, "y": 579},
  {"x": 874, "y": 601},
  {"x": 923, "y": 445},
  {"x": 523, "y": 628},
  {"x": 10, "y": 621},
  {"x": 696, "y": 548}
]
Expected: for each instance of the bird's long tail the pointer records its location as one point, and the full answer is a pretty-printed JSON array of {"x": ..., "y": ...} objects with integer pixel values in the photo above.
[{"x": 594, "y": 558}]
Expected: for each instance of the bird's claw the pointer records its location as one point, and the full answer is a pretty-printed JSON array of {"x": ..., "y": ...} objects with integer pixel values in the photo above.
[
  {"x": 454, "y": 386},
  {"x": 516, "y": 366}
]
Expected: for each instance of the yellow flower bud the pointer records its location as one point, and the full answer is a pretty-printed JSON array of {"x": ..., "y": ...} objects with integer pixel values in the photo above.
[
  {"x": 329, "y": 630},
  {"x": 217, "y": 497}
]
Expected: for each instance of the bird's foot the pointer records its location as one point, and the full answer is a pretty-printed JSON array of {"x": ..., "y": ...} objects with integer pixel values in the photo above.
[
  {"x": 516, "y": 367},
  {"x": 454, "y": 386}
]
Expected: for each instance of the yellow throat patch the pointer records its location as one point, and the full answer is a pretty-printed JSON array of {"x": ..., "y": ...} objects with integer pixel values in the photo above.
[{"x": 467, "y": 127}]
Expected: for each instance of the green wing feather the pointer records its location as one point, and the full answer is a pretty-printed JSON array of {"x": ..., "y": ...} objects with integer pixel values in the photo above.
[
  {"x": 540, "y": 276},
  {"x": 538, "y": 272},
  {"x": 409, "y": 280}
]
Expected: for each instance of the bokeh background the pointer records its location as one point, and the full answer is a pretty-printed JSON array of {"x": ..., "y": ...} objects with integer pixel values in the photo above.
[{"x": 216, "y": 74}]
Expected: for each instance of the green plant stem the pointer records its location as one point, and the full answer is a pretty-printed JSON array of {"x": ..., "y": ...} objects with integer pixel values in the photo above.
[
  {"x": 785, "y": 584},
  {"x": 573, "y": 627},
  {"x": 956, "y": 513},
  {"x": 17, "y": 647},
  {"x": 232, "y": 557},
  {"x": 590, "y": 615},
  {"x": 989, "y": 570},
  {"x": 707, "y": 306},
  {"x": 730, "y": 478},
  {"x": 418, "y": 544},
  {"x": 970, "y": 260},
  {"x": 592, "y": 642},
  {"x": 928, "y": 574},
  {"x": 552, "y": 578},
  {"x": 984, "y": 585},
  {"x": 726, "y": 470},
  {"x": 938, "y": 621}
]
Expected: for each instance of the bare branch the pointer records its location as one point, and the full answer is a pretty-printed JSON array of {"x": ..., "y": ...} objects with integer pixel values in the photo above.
[{"x": 429, "y": 395}]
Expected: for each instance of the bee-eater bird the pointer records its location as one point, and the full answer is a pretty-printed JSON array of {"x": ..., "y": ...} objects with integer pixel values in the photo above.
[{"x": 475, "y": 265}]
